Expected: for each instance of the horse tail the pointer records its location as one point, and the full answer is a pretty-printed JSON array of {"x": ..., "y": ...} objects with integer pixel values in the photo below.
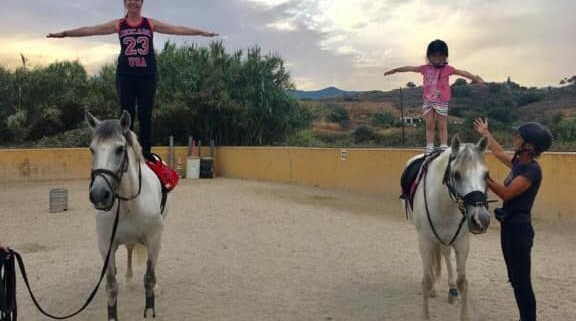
[{"x": 437, "y": 261}]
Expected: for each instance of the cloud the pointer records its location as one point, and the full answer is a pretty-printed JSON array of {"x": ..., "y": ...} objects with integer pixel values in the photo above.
[{"x": 346, "y": 43}]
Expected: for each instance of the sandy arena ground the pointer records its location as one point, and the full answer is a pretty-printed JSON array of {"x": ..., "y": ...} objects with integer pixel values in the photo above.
[{"x": 244, "y": 250}]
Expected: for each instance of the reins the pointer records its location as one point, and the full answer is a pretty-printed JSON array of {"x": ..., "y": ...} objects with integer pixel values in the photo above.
[
  {"x": 8, "y": 305},
  {"x": 475, "y": 198},
  {"x": 428, "y": 211}
]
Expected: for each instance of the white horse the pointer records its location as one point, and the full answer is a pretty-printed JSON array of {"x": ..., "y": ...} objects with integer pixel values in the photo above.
[
  {"x": 127, "y": 196},
  {"x": 451, "y": 192}
]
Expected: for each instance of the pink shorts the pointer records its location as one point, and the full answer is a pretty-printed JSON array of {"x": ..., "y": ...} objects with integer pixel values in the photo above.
[{"x": 441, "y": 108}]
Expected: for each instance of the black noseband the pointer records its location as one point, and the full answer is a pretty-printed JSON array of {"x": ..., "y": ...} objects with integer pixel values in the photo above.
[{"x": 475, "y": 198}]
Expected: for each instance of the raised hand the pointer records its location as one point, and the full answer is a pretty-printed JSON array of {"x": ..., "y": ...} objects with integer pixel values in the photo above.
[{"x": 481, "y": 126}]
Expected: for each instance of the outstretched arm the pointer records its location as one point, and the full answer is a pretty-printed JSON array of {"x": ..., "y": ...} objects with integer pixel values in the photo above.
[
  {"x": 162, "y": 27},
  {"x": 481, "y": 126},
  {"x": 102, "y": 29},
  {"x": 474, "y": 78},
  {"x": 402, "y": 69}
]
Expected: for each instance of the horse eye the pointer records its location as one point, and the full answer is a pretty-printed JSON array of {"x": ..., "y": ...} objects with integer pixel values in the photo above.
[
  {"x": 119, "y": 150},
  {"x": 457, "y": 176}
]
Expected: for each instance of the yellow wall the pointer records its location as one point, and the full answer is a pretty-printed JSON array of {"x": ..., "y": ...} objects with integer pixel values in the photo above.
[
  {"x": 379, "y": 171},
  {"x": 28, "y": 165},
  {"x": 364, "y": 170}
]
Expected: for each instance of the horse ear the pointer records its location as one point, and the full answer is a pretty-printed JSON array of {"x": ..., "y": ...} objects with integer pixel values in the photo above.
[
  {"x": 482, "y": 144},
  {"x": 125, "y": 120},
  {"x": 455, "y": 144},
  {"x": 92, "y": 121}
]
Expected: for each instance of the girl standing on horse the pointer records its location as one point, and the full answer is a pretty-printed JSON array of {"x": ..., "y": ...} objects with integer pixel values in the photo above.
[
  {"x": 136, "y": 73},
  {"x": 436, "y": 91}
]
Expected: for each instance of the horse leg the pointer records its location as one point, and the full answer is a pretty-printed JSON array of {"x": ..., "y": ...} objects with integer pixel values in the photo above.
[
  {"x": 150, "y": 276},
  {"x": 461, "y": 250},
  {"x": 426, "y": 252},
  {"x": 452, "y": 290},
  {"x": 436, "y": 269},
  {"x": 112, "y": 287},
  {"x": 129, "y": 272}
]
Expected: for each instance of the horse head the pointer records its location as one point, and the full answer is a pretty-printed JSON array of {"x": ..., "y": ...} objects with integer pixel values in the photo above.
[
  {"x": 110, "y": 157},
  {"x": 466, "y": 179}
]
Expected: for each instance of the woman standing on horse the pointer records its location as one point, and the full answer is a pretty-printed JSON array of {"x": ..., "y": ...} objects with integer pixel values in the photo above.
[
  {"x": 136, "y": 73},
  {"x": 518, "y": 193}
]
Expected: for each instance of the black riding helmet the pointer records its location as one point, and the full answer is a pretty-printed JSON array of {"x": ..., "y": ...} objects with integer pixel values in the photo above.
[
  {"x": 437, "y": 46},
  {"x": 536, "y": 134}
]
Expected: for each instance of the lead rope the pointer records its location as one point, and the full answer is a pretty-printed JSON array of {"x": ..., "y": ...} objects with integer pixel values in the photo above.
[{"x": 8, "y": 306}]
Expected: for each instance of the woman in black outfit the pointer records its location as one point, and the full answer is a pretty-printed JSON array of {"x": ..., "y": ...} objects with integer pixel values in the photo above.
[
  {"x": 136, "y": 73},
  {"x": 518, "y": 193}
]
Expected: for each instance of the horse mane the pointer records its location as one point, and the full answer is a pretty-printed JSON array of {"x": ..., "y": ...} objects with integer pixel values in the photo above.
[{"x": 111, "y": 128}]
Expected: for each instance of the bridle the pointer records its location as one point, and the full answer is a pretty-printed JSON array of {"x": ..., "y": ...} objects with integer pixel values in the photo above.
[
  {"x": 104, "y": 173},
  {"x": 8, "y": 308},
  {"x": 474, "y": 198}
]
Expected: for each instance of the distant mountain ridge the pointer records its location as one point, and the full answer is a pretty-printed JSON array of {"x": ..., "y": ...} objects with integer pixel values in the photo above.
[{"x": 328, "y": 92}]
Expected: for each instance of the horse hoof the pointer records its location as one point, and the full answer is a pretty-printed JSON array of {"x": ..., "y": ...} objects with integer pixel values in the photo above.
[
  {"x": 112, "y": 315},
  {"x": 453, "y": 292},
  {"x": 149, "y": 307},
  {"x": 151, "y": 311},
  {"x": 452, "y": 295}
]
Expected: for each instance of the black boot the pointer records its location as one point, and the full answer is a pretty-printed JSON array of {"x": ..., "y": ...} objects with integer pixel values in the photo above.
[{"x": 150, "y": 156}]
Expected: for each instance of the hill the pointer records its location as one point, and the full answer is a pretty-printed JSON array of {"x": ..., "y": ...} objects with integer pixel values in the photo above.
[
  {"x": 328, "y": 92},
  {"x": 374, "y": 117}
]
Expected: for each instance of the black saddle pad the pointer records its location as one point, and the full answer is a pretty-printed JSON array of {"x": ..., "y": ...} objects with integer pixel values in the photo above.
[
  {"x": 411, "y": 171},
  {"x": 409, "y": 175}
]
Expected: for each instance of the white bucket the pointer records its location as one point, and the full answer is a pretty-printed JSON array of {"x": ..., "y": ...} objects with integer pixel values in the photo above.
[{"x": 193, "y": 167}]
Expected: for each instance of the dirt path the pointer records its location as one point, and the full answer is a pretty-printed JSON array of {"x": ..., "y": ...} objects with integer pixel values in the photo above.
[{"x": 243, "y": 250}]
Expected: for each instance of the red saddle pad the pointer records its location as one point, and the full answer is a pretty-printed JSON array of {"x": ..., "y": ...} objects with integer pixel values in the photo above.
[{"x": 168, "y": 177}]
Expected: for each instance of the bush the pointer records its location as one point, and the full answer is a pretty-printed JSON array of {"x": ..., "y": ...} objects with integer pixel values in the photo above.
[
  {"x": 304, "y": 138},
  {"x": 565, "y": 131},
  {"x": 338, "y": 114},
  {"x": 73, "y": 138},
  {"x": 386, "y": 119},
  {"x": 365, "y": 134}
]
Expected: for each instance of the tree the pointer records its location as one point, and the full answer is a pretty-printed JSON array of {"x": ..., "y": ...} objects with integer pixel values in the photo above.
[
  {"x": 460, "y": 82},
  {"x": 385, "y": 119},
  {"x": 235, "y": 99},
  {"x": 338, "y": 114},
  {"x": 365, "y": 135}
]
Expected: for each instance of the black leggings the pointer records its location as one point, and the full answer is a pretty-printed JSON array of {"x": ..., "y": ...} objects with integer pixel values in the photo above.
[
  {"x": 138, "y": 91},
  {"x": 517, "y": 243}
]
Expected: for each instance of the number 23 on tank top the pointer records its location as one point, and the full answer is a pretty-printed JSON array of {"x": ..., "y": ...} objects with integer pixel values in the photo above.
[{"x": 136, "y": 50}]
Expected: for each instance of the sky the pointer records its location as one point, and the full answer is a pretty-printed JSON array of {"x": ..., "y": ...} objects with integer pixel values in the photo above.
[{"x": 343, "y": 43}]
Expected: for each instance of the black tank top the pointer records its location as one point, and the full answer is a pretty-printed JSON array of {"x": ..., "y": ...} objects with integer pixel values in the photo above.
[{"x": 137, "y": 48}]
